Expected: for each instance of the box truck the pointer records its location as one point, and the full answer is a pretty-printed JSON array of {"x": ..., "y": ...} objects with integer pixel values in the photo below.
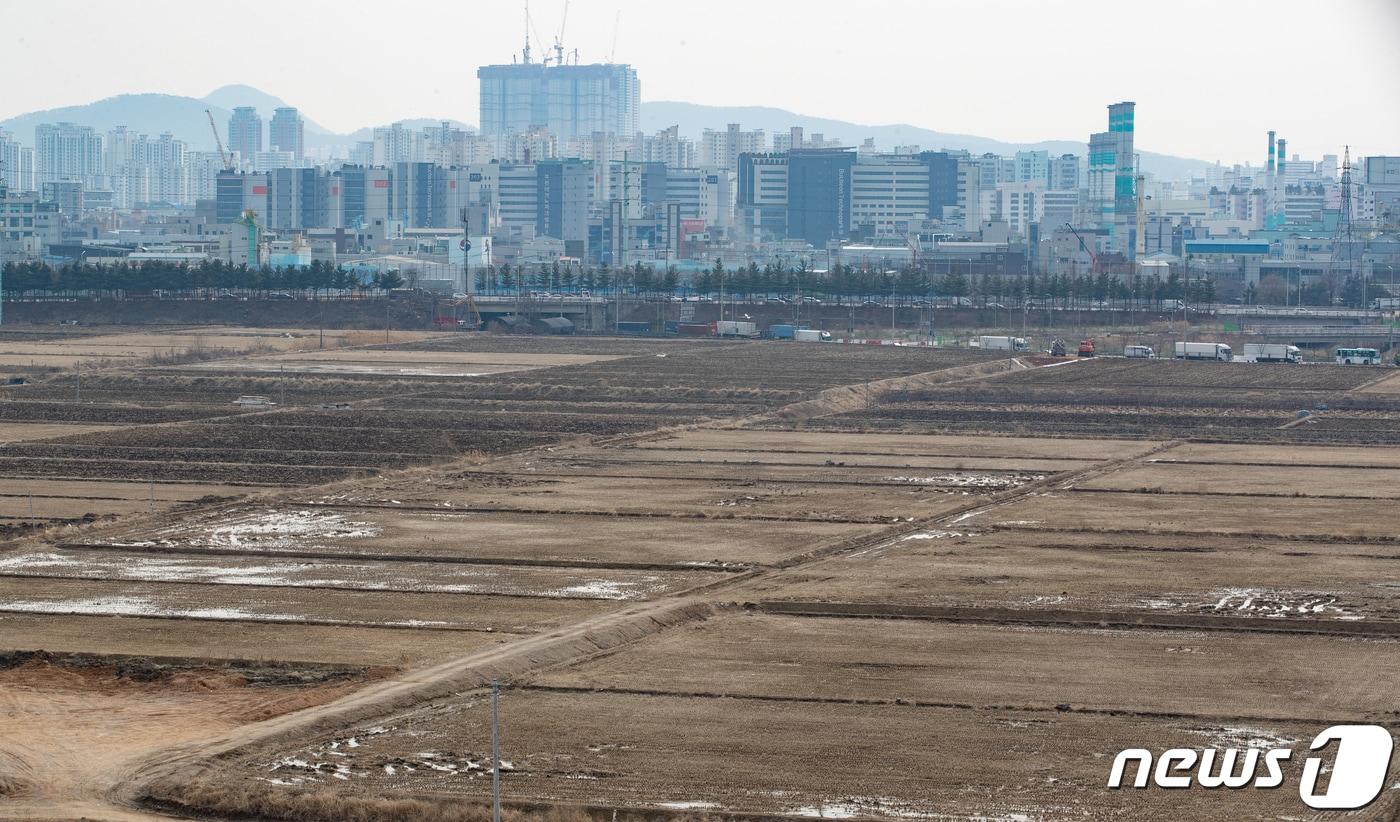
[
  {"x": 1271, "y": 352},
  {"x": 811, "y": 335},
  {"x": 1002, "y": 343},
  {"x": 1203, "y": 351},
  {"x": 736, "y": 328},
  {"x": 782, "y": 332},
  {"x": 1140, "y": 352}
]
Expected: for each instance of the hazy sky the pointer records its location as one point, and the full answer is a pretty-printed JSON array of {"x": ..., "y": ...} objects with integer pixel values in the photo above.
[{"x": 1209, "y": 76}]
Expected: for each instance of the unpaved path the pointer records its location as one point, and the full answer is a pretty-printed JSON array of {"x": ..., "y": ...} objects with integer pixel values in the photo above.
[{"x": 68, "y": 735}]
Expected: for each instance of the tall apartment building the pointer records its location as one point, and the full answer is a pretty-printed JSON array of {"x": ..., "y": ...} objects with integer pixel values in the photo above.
[
  {"x": 1112, "y": 171},
  {"x": 287, "y": 132},
  {"x": 994, "y": 169},
  {"x": 721, "y": 149},
  {"x": 69, "y": 152},
  {"x": 1064, "y": 173},
  {"x": 245, "y": 133},
  {"x": 17, "y": 172},
  {"x": 1032, "y": 166},
  {"x": 396, "y": 144},
  {"x": 572, "y": 101},
  {"x": 143, "y": 169},
  {"x": 669, "y": 147}
]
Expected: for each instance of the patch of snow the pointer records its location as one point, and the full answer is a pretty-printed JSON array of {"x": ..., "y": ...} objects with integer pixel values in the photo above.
[
  {"x": 276, "y": 528},
  {"x": 1246, "y": 737},
  {"x": 935, "y": 535}
]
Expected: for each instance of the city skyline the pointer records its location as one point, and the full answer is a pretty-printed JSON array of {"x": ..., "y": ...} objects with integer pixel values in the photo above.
[{"x": 1315, "y": 97}]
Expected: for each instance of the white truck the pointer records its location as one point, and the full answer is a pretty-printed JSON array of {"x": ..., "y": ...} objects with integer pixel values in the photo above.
[
  {"x": 736, "y": 328},
  {"x": 1271, "y": 352},
  {"x": 1002, "y": 343},
  {"x": 1386, "y": 304},
  {"x": 1204, "y": 351},
  {"x": 1140, "y": 352},
  {"x": 811, "y": 335}
]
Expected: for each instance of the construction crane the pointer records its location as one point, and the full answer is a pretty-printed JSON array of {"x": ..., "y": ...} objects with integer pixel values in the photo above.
[
  {"x": 223, "y": 155},
  {"x": 1097, "y": 267},
  {"x": 617, "y": 21},
  {"x": 559, "y": 41}
]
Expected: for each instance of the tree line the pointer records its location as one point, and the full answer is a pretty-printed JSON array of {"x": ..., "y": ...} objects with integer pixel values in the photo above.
[
  {"x": 842, "y": 282},
  {"x": 162, "y": 275}
]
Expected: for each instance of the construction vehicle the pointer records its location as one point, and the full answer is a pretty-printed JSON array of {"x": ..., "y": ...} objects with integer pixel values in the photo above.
[
  {"x": 1058, "y": 348},
  {"x": 472, "y": 322},
  {"x": 1086, "y": 348}
]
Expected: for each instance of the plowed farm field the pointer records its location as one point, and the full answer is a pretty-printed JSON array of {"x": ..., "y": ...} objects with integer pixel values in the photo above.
[{"x": 712, "y": 579}]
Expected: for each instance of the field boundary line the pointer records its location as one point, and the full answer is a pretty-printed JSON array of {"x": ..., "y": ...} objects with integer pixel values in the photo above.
[{"x": 1118, "y": 620}]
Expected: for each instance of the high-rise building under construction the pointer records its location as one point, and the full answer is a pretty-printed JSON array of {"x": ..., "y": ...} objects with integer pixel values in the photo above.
[
  {"x": 568, "y": 99},
  {"x": 1112, "y": 178}
]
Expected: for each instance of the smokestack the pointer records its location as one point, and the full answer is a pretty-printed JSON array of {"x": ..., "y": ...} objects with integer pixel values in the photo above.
[
  {"x": 1282, "y": 155},
  {"x": 1272, "y": 136}
]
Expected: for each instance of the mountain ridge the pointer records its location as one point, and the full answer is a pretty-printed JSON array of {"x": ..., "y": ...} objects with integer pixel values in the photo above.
[{"x": 184, "y": 117}]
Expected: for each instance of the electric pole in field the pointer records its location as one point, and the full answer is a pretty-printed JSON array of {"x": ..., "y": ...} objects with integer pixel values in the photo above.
[{"x": 495, "y": 751}]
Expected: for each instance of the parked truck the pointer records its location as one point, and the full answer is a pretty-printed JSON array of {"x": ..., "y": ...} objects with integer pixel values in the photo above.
[
  {"x": 695, "y": 330},
  {"x": 736, "y": 328},
  {"x": 1271, "y": 352},
  {"x": 1204, "y": 351},
  {"x": 811, "y": 335},
  {"x": 1002, "y": 343},
  {"x": 1087, "y": 349},
  {"x": 782, "y": 332},
  {"x": 1140, "y": 352},
  {"x": 1385, "y": 304}
]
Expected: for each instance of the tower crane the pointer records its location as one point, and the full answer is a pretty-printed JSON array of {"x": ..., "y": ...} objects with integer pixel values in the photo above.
[
  {"x": 617, "y": 22},
  {"x": 223, "y": 155},
  {"x": 559, "y": 41}
]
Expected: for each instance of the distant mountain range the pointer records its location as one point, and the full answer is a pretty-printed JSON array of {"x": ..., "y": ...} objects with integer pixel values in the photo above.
[
  {"x": 184, "y": 117},
  {"x": 693, "y": 119}
]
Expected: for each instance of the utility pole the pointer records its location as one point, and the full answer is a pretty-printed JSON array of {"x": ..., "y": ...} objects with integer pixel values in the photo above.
[
  {"x": 622, "y": 240},
  {"x": 4, "y": 224},
  {"x": 495, "y": 751},
  {"x": 468, "y": 286}
]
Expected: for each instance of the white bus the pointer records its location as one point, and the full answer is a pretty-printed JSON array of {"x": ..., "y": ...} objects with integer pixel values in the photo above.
[{"x": 1358, "y": 356}]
